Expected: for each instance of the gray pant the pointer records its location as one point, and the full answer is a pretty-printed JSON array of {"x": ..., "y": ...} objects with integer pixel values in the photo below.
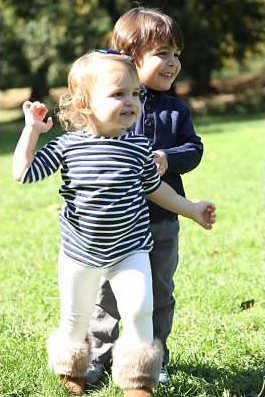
[{"x": 104, "y": 324}]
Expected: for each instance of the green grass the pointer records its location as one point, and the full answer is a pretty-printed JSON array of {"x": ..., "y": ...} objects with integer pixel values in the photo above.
[{"x": 216, "y": 347}]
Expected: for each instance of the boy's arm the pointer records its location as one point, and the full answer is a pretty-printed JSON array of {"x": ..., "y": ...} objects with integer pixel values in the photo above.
[
  {"x": 202, "y": 212},
  {"x": 34, "y": 126},
  {"x": 187, "y": 153}
]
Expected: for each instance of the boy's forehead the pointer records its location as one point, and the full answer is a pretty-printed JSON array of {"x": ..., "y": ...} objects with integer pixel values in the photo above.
[{"x": 167, "y": 46}]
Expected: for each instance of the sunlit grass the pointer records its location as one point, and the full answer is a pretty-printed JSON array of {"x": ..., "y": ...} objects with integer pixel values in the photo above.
[{"x": 216, "y": 347}]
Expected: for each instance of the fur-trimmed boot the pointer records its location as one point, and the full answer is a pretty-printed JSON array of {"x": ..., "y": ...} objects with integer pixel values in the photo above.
[
  {"x": 136, "y": 370},
  {"x": 70, "y": 362}
]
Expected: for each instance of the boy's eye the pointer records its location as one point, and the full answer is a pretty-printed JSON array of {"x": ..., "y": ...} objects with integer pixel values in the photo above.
[{"x": 165, "y": 53}]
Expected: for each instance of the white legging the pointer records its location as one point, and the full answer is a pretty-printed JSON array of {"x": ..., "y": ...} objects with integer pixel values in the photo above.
[{"x": 131, "y": 282}]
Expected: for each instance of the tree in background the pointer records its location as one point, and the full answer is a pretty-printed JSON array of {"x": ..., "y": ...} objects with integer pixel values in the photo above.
[
  {"x": 40, "y": 38},
  {"x": 216, "y": 33}
]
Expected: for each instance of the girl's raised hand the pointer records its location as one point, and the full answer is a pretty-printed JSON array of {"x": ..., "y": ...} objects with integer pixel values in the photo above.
[{"x": 35, "y": 112}]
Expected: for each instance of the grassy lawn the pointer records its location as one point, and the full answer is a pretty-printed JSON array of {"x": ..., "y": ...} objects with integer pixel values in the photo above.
[{"x": 217, "y": 348}]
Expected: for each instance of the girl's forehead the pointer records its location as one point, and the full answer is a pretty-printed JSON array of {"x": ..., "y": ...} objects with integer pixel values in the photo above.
[
  {"x": 116, "y": 78},
  {"x": 117, "y": 71}
]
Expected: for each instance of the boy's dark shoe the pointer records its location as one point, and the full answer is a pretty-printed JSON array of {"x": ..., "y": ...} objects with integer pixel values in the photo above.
[
  {"x": 94, "y": 373},
  {"x": 164, "y": 375}
]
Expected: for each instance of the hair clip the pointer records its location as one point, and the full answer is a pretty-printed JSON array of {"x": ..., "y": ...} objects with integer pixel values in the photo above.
[{"x": 110, "y": 51}]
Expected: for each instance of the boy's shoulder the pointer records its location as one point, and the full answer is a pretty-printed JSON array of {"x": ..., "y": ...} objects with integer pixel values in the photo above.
[
  {"x": 174, "y": 101},
  {"x": 160, "y": 100}
]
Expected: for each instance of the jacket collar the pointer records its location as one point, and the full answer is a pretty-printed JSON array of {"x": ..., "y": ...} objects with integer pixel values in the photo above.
[{"x": 148, "y": 93}]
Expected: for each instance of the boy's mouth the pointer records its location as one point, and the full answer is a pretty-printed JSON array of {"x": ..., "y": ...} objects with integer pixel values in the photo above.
[{"x": 169, "y": 75}]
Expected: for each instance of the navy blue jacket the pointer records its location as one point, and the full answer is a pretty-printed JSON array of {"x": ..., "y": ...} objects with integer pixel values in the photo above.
[{"x": 165, "y": 120}]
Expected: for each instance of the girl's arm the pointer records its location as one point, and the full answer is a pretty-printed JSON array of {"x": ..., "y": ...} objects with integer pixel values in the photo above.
[
  {"x": 202, "y": 212},
  {"x": 34, "y": 126}
]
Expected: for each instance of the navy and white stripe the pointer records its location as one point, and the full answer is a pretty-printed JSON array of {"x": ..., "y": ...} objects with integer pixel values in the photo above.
[{"x": 105, "y": 179}]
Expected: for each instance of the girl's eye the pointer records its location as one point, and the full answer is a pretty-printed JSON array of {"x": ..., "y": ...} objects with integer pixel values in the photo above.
[
  {"x": 117, "y": 94},
  {"x": 136, "y": 94}
]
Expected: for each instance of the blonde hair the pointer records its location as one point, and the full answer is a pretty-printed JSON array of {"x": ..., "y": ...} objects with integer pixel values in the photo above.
[
  {"x": 74, "y": 105},
  {"x": 141, "y": 29}
]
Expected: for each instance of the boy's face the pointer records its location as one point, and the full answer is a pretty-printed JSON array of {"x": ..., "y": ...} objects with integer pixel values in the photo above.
[
  {"x": 114, "y": 99},
  {"x": 158, "y": 68}
]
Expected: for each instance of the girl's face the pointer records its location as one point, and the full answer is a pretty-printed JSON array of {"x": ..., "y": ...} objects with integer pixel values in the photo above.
[
  {"x": 114, "y": 99},
  {"x": 158, "y": 68}
]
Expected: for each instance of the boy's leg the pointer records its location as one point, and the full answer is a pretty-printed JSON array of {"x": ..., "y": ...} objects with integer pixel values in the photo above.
[
  {"x": 137, "y": 358},
  {"x": 68, "y": 346},
  {"x": 164, "y": 261},
  {"x": 104, "y": 325}
]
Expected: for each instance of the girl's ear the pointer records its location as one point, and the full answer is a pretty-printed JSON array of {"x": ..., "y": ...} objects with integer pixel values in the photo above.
[
  {"x": 87, "y": 108},
  {"x": 83, "y": 105}
]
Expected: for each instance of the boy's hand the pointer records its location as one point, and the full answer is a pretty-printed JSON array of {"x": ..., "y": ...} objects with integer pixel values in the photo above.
[
  {"x": 35, "y": 113},
  {"x": 160, "y": 159},
  {"x": 204, "y": 214}
]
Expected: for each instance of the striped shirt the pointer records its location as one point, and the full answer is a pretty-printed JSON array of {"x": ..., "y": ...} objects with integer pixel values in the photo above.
[{"x": 105, "y": 180}]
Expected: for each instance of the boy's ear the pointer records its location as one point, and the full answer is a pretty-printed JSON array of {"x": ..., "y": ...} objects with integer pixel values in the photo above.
[{"x": 138, "y": 62}]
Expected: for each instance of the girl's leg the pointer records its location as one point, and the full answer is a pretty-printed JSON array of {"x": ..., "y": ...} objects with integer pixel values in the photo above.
[
  {"x": 131, "y": 283},
  {"x": 69, "y": 346},
  {"x": 137, "y": 358}
]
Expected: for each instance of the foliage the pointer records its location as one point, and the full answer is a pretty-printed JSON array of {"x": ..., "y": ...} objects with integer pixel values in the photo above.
[
  {"x": 48, "y": 35},
  {"x": 216, "y": 347},
  {"x": 217, "y": 33},
  {"x": 41, "y": 37}
]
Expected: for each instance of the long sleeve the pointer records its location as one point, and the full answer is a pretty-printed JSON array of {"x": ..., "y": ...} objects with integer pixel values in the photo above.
[
  {"x": 188, "y": 150},
  {"x": 46, "y": 162}
]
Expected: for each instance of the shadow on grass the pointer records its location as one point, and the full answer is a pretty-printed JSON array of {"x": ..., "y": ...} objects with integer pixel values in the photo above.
[
  {"x": 194, "y": 380},
  {"x": 191, "y": 379},
  {"x": 11, "y": 130},
  {"x": 216, "y": 124}
]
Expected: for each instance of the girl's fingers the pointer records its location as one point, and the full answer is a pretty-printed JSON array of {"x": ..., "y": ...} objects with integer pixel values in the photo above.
[
  {"x": 26, "y": 105},
  {"x": 50, "y": 121}
]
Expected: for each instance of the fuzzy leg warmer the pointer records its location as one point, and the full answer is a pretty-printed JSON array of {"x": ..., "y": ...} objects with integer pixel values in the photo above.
[
  {"x": 139, "y": 367},
  {"x": 70, "y": 360}
]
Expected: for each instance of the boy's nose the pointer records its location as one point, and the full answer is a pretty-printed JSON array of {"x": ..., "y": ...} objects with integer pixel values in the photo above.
[{"x": 172, "y": 60}]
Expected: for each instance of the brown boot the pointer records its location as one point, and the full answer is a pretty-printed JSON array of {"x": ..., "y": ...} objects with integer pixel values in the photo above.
[
  {"x": 74, "y": 385},
  {"x": 137, "y": 393},
  {"x": 70, "y": 362}
]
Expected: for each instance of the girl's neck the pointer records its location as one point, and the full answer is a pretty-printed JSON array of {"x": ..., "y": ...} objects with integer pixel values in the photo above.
[{"x": 109, "y": 134}]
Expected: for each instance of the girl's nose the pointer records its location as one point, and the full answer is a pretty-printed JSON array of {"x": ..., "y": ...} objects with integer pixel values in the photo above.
[{"x": 129, "y": 100}]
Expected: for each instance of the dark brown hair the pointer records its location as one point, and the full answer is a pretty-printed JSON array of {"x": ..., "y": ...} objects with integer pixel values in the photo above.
[{"x": 141, "y": 29}]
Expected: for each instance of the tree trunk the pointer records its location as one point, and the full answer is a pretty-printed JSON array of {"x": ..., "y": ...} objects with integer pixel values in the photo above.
[
  {"x": 201, "y": 80},
  {"x": 39, "y": 85}
]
